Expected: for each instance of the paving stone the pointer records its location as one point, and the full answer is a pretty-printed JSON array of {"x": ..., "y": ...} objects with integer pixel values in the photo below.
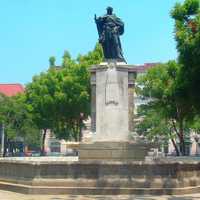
[{"x": 5, "y": 195}]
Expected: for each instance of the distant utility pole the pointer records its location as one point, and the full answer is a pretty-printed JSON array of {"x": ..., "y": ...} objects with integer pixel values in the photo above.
[{"x": 2, "y": 129}]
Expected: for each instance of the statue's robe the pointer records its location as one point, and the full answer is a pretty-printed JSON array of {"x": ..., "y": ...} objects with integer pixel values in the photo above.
[{"x": 110, "y": 28}]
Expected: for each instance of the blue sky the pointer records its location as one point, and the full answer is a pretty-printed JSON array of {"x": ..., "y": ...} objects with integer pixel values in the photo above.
[{"x": 34, "y": 30}]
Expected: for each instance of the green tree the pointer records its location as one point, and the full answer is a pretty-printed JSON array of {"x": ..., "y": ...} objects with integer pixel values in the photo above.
[
  {"x": 155, "y": 126},
  {"x": 166, "y": 106},
  {"x": 75, "y": 93},
  {"x": 52, "y": 61},
  {"x": 17, "y": 120},
  {"x": 41, "y": 103},
  {"x": 187, "y": 35},
  {"x": 66, "y": 59},
  {"x": 59, "y": 99},
  {"x": 195, "y": 125},
  {"x": 24, "y": 125}
]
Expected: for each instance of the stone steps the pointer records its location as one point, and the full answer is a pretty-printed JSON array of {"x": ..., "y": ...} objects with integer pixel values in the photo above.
[
  {"x": 25, "y": 189},
  {"x": 135, "y": 183},
  {"x": 100, "y": 177}
]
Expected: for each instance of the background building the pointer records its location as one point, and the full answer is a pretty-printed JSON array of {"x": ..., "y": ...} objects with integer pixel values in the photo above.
[{"x": 11, "y": 89}]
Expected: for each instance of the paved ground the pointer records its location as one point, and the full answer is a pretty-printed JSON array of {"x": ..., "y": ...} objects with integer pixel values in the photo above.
[{"x": 5, "y": 195}]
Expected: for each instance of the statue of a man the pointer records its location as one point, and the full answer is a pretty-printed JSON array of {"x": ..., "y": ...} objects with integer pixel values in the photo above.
[{"x": 110, "y": 27}]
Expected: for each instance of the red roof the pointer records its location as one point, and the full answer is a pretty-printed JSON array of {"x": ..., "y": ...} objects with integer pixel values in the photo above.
[
  {"x": 11, "y": 89},
  {"x": 143, "y": 68}
]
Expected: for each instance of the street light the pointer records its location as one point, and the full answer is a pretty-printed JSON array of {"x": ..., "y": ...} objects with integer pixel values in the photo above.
[{"x": 2, "y": 128}]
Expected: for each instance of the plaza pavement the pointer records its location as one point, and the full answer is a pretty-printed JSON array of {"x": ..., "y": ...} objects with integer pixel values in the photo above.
[{"x": 6, "y": 195}]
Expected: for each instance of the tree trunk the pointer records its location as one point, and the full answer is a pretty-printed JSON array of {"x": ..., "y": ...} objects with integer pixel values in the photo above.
[
  {"x": 43, "y": 142},
  {"x": 80, "y": 130},
  {"x": 176, "y": 148},
  {"x": 182, "y": 147},
  {"x": 182, "y": 139},
  {"x": 75, "y": 134},
  {"x": 2, "y": 129},
  {"x": 180, "y": 134},
  {"x": 5, "y": 146}
]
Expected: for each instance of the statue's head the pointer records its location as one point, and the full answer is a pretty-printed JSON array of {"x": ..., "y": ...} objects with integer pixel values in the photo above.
[{"x": 109, "y": 10}]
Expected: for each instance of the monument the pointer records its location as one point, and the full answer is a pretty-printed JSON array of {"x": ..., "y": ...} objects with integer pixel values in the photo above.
[
  {"x": 95, "y": 172},
  {"x": 112, "y": 83}
]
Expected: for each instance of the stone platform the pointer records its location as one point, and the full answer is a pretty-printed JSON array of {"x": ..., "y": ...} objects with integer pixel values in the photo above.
[
  {"x": 114, "y": 151},
  {"x": 100, "y": 177}
]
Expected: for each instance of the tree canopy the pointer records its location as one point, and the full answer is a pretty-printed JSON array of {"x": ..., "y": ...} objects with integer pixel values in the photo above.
[
  {"x": 17, "y": 120},
  {"x": 174, "y": 87},
  {"x": 166, "y": 112},
  {"x": 60, "y": 98},
  {"x": 56, "y": 100},
  {"x": 187, "y": 35}
]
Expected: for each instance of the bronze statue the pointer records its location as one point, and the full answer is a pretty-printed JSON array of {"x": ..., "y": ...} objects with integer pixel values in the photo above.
[{"x": 110, "y": 27}]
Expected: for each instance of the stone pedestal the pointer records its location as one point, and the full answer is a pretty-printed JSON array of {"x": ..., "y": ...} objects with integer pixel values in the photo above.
[
  {"x": 112, "y": 103},
  {"x": 118, "y": 151}
]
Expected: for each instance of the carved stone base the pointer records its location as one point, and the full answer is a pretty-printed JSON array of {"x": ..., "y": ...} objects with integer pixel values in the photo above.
[
  {"x": 113, "y": 151},
  {"x": 167, "y": 176},
  {"x": 112, "y": 93}
]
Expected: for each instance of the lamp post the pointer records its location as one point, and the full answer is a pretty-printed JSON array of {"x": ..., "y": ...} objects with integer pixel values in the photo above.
[
  {"x": 2, "y": 139},
  {"x": 81, "y": 124}
]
